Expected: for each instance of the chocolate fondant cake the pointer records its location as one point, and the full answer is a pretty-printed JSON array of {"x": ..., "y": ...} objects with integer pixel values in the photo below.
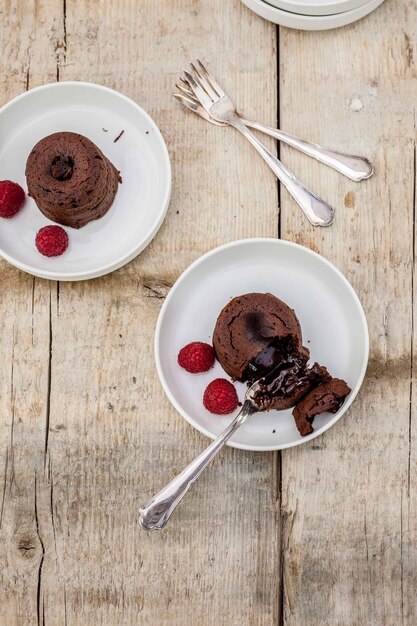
[
  {"x": 247, "y": 326},
  {"x": 70, "y": 179},
  {"x": 258, "y": 337}
]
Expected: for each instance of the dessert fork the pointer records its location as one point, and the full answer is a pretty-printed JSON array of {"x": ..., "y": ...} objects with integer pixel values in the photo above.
[
  {"x": 356, "y": 168},
  {"x": 218, "y": 104},
  {"x": 155, "y": 512}
]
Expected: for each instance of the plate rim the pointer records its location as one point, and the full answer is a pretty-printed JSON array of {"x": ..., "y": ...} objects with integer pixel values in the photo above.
[
  {"x": 310, "y": 22},
  {"x": 132, "y": 253},
  {"x": 319, "y": 9},
  {"x": 202, "y": 259}
]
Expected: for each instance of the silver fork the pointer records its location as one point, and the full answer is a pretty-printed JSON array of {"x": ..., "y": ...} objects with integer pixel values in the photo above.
[
  {"x": 356, "y": 168},
  {"x": 218, "y": 104},
  {"x": 155, "y": 513}
]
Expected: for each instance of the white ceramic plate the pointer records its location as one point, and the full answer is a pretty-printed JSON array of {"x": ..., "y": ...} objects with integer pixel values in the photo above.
[
  {"x": 140, "y": 154},
  {"x": 317, "y": 7},
  {"x": 310, "y": 22},
  {"x": 331, "y": 316}
]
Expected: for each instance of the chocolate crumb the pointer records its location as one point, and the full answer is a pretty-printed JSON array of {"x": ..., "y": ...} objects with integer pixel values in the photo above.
[
  {"x": 147, "y": 132},
  {"x": 274, "y": 431},
  {"x": 134, "y": 380},
  {"x": 104, "y": 130},
  {"x": 178, "y": 212},
  {"x": 118, "y": 136}
]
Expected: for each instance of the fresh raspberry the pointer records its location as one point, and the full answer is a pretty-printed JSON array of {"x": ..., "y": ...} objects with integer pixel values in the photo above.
[
  {"x": 220, "y": 397},
  {"x": 51, "y": 240},
  {"x": 196, "y": 357},
  {"x": 11, "y": 198}
]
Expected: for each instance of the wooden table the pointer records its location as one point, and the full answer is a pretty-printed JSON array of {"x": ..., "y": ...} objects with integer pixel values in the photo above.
[{"x": 323, "y": 534}]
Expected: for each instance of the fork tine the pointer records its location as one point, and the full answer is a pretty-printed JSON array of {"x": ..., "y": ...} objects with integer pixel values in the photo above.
[
  {"x": 184, "y": 86},
  {"x": 185, "y": 89},
  {"x": 204, "y": 83},
  {"x": 191, "y": 103},
  {"x": 198, "y": 91},
  {"x": 194, "y": 106},
  {"x": 214, "y": 84},
  {"x": 188, "y": 95}
]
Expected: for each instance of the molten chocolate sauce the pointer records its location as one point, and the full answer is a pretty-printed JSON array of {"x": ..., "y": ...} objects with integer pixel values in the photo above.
[
  {"x": 269, "y": 358},
  {"x": 282, "y": 370}
]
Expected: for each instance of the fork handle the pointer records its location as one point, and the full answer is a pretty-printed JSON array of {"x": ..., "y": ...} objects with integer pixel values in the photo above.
[
  {"x": 318, "y": 211},
  {"x": 155, "y": 513},
  {"x": 356, "y": 168}
]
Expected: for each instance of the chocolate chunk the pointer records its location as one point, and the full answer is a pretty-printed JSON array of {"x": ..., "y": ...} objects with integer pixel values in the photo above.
[{"x": 326, "y": 397}]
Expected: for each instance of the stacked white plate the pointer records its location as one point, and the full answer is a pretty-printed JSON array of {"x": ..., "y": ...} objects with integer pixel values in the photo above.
[{"x": 312, "y": 14}]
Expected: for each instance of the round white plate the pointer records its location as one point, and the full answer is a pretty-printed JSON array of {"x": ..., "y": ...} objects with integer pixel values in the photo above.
[
  {"x": 140, "y": 154},
  {"x": 331, "y": 316},
  {"x": 317, "y": 7},
  {"x": 310, "y": 22}
]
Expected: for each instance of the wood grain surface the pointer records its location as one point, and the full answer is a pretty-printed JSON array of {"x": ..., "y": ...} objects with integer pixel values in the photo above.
[
  {"x": 348, "y": 498},
  {"x": 322, "y": 535}
]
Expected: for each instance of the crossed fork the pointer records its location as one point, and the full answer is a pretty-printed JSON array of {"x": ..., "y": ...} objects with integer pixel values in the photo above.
[{"x": 200, "y": 92}]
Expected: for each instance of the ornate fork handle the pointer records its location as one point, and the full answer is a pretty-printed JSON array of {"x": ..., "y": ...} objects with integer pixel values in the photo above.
[
  {"x": 319, "y": 212},
  {"x": 356, "y": 168},
  {"x": 155, "y": 513}
]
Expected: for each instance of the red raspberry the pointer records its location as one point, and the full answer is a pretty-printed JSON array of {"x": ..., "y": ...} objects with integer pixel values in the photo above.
[
  {"x": 196, "y": 357},
  {"x": 51, "y": 240},
  {"x": 220, "y": 397},
  {"x": 11, "y": 198}
]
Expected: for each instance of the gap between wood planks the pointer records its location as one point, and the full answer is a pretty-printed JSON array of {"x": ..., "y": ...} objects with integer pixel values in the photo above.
[
  {"x": 412, "y": 314},
  {"x": 60, "y": 52},
  {"x": 39, "y": 595},
  {"x": 278, "y": 454},
  {"x": 61, "y": 47}
]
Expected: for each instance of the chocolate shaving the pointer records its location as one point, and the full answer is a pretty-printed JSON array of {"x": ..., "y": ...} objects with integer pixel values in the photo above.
[{"x": 118, "y": 136}]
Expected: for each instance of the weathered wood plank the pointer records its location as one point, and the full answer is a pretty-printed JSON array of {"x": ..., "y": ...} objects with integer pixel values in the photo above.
[
  {"x": 346, "y": 502},
  {"x": 114, "y": 439},
  {"x": 409, "y": 502},
  {"x": 71, "y": 549},
  {"x": 30, "y": 43}
]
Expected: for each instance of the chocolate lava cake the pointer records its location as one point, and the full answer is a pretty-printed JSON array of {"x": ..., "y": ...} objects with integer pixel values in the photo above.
[
  {"x": 247, "y": 326},
  {"x": 70, "y": 179},
  {"x": 258, "y": 337}
]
